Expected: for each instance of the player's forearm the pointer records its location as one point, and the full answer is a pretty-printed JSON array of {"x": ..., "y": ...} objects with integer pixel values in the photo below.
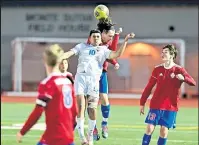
[
  {"x": 147, "y": 91},
  {"x": 189, "y": 80},
  {"x": 144, "y": 97},
  {"x": 32, "y": 119},
  {"x": 121, "y": 49},
  {"x": 67, "y": 55},
  {"x": 115, "y": 42},
  {"x": 119, "y": 52},
  {"x": 112, "y": 61}
]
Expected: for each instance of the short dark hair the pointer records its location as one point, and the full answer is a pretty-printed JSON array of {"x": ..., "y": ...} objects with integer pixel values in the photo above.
[
  {"x": 105, "y": 25},
  {"x": 172, "y": 49},
  {"x": 94, "y": 31}
]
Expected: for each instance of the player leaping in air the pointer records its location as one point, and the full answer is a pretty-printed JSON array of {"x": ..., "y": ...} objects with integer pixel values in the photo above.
[
  {"x": 56, "y": 98},
  {"x": 109, "y": 38},
  {"x": 168, "y": 78},
  {"x": 89, "y": 69}
]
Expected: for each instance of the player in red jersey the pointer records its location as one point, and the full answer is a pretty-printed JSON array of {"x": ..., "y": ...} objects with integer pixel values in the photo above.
[
  {"x": 109, "y": 38},
  {"x": 168, "y": 78},
  {"x": 56, "y": 98}
]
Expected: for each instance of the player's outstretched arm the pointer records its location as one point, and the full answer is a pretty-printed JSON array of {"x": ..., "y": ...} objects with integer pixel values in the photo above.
[
  {"x": 73, "y": 51},
  {"x": 41, "y": 102},
  {"x": 32, "y": 119},
  {"x": 120, "y": 51},
  {"x": 67, "y": 55}
]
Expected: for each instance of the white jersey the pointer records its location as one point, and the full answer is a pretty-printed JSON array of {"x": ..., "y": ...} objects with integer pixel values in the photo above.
[{"x": 91, "y": 58}]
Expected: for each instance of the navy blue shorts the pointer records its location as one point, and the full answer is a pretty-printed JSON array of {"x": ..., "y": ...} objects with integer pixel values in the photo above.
[
  {"x": 162, "y": 117},
  {"x": 103, "y": 88}
]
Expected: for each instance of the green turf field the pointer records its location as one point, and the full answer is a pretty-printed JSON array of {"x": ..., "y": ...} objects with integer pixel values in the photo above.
[{"x": 126, "y": 126}]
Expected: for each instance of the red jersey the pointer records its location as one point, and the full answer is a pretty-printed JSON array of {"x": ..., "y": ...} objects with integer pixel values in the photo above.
[
  {"x": 112, "y": 45},
  {"x": 56, "y": 96},
  {"x": 166, "y": 94}
]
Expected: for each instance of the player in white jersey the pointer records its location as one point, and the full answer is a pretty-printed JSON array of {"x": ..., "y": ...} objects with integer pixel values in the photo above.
[{"x": 89, "y": 69}]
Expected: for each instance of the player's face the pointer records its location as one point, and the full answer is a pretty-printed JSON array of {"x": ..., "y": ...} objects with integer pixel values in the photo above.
[
  {"x": 95, "y": 39},
  {"x": 63, "y": 66},
  {"x": 166, "y": 55},
  {"x": 108, "y": 36}
]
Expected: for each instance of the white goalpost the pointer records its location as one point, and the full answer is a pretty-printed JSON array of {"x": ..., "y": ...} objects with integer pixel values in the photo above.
[{"x": 18, "y": 45}]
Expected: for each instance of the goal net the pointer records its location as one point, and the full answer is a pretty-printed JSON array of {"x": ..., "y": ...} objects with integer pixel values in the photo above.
[{"x": 136, "y": 65}]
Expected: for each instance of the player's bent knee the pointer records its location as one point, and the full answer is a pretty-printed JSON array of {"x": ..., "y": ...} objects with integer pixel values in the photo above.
[
  {"x": 150, "y": 128},
  {"x": 92, "y": 105},
  {"x": 92, "y": 113},
  {"x": 92, "y": 102},
  {"x": 79, "y": 97},
  {"x": 164, "y": 132}
]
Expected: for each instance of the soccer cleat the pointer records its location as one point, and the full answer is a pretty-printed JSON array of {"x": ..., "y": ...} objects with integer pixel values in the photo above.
[
  {"x": 96, "y": 135},
  {"x": 104, "y": 131}
]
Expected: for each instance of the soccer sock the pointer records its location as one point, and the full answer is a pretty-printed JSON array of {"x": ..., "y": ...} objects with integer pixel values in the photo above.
[
  {"x": 80, "y": 127},
  {"x": 91, "y": 127},
  {"x": 162, "y": 141},
  {"x": 105, "y": 113},
  {"x": 146, "y": 139}
]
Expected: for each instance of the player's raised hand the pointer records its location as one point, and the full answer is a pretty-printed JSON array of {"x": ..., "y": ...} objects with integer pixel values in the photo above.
[
  {"x": 180, "y": 77},
  {"x": 119, "y": 31},
  {"x": 19, "y": 137},
  {"x": 141, "y": 110},
  {"x": 117, "y": 66},
  {"x": 131, "y": 35}
]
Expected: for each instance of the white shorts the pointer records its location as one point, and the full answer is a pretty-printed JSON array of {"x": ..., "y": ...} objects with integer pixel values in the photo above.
[{"x": 86, "y": 85}]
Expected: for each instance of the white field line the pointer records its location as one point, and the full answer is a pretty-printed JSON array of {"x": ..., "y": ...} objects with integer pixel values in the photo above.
[
  {"x": 136, "y": 123},
  {"x": 186, "y": 125},
  {"x": 41, "y": 127},
  {"x": 112, "y": 139}
]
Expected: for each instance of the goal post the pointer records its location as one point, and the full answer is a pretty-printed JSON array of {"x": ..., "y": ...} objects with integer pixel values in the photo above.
[{"x": 19, "y": 46}]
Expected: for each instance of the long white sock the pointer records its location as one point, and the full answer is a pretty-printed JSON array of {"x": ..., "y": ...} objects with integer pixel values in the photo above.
[
  {"x": 80, "y": 127},
  {"x": 91, "y": 127}
]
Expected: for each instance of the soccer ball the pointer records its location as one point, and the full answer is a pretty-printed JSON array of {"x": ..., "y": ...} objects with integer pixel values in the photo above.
[{"x": 101, "y": 12}]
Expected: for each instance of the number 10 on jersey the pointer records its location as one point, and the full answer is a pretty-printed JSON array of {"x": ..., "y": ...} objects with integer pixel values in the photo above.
[{"x": 91, "y": 52}]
